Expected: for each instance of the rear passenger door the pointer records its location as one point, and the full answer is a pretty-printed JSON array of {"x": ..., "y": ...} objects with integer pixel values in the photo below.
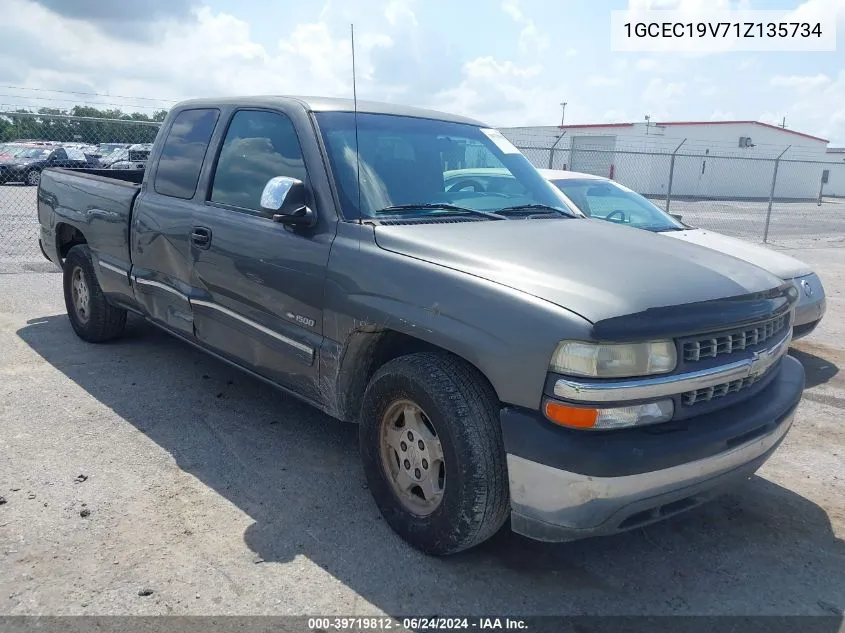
[
  {"x": 259, "y": 284},
  {"x": 162, "y": 221}
]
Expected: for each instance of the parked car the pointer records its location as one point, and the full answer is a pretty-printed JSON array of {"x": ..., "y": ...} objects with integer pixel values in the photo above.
[
  {"x": 27, "y": 164},
  {"x": 601, "y": 198},
  {"x": 502, "y": 355},
  {"x": 606, "y": 199},
  {"x": 132, "y": 157}
]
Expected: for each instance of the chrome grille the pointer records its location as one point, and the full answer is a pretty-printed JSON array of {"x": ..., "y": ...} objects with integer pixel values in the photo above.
[
  {"x": 733, "y": 340},
  {"x": 717, "y": 391}
]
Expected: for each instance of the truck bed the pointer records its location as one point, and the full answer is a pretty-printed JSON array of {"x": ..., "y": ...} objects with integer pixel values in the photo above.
[{"x": 99, "y": 206}]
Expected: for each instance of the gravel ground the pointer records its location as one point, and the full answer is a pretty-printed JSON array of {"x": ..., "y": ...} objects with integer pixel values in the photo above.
[{"x": 143, "y": 477}]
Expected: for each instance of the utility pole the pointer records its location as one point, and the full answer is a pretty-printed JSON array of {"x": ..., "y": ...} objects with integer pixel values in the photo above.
[
  {"x": 783, "y": 124},
  {"x": 563, "y": 112},
  {"x": 647, "y": 120}
]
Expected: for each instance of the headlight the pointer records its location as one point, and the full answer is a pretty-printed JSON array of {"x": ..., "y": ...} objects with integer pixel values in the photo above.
[
  {"x": 608, "y": 418},
  {"x": 614, "y": 360}
]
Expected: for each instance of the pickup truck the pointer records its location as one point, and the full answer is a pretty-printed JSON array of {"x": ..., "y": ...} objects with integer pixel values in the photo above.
[{"x": 504, "y": 358}]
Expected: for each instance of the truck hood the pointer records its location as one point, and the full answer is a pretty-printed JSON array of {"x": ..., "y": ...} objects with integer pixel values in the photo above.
[
  {"x": 783, "y": 266},
  {"x": 596, "y": 269}
]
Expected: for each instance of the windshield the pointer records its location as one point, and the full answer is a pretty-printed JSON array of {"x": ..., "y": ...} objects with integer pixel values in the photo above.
[
  {"x": 607, "y": 200},
  {"x": 33, "y": 152},
  {"x": 409, "y": 161}
]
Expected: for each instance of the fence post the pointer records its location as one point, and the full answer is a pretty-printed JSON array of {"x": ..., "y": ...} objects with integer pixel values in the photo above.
[
  {"x": 672, "y": 175},
  {"x": 772, "y": 195},
  {"x": 552, "y": 150}
]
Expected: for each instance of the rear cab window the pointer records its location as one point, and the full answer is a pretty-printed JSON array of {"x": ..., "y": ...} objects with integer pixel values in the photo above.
[{"x": 183, "y": 153}]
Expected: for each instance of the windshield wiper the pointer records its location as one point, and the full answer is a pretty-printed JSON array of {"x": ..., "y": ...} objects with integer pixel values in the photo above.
[
  {"x": 442, "y": 206},
  {"x": 528, "y": 207}
]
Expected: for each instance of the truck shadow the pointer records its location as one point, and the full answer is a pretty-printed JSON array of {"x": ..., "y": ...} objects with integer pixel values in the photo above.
[
  {"x": 818, "y": 370},
  {"x": 296, "y": 473}
]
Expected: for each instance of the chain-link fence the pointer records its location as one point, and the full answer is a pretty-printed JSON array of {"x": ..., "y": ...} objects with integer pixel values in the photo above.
[
  {"x": 772, "y": 198},
  {"x": 30, "y": 142}
]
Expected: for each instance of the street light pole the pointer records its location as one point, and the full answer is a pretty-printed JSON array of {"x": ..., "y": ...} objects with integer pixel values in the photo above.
[{"x": 563, "y": 112}]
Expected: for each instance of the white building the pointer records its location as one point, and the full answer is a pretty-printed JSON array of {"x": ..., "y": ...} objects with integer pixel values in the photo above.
[{"x": 714, "y": 159}]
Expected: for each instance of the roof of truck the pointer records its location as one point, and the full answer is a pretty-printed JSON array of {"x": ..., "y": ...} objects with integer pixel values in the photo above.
[{"x": 330, "y": 104}]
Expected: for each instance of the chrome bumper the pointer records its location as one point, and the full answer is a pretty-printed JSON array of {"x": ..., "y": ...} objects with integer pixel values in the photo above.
[{"x": 550, "y": 504}]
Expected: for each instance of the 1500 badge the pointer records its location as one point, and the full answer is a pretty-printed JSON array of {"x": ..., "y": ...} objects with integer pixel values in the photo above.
[{"x": 300, "y": 319}]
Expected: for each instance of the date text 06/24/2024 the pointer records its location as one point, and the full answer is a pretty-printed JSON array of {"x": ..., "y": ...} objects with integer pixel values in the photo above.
[{"x": 416, "y": 624}]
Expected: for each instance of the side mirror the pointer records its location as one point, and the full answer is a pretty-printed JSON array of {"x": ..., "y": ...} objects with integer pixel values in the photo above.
[
  {"x": 285, "y": 198},
  {"x": 677, "y": 216}
]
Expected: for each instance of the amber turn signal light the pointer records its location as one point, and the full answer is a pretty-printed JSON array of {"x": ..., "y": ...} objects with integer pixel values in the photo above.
[{"x": 575, "y": 417}]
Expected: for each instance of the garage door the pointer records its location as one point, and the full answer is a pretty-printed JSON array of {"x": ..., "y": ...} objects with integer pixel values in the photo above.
[{"x": 593, "y": 154}]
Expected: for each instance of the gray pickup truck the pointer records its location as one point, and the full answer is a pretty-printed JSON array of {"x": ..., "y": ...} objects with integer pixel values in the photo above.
[{"x": 503, "y": 358}]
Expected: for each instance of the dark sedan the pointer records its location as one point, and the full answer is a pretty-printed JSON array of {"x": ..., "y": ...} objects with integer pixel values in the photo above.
[{"x": 26, "y": 165}]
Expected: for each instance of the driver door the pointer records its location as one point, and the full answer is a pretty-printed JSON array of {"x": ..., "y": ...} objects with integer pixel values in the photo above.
[{"x": 261, "y": 283}]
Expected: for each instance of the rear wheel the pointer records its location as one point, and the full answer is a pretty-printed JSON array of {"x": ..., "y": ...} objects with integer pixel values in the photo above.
[
  {"x": 92, "y": 317},
  {"x": 433, "y": 452}
]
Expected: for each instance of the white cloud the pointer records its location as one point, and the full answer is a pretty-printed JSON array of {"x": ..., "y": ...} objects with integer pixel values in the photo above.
[
  {"x": 747, "y": 63},
  {"x": 531, "y": 39},
  {"x": 817, "y": 107},
  {"x": 602, "y": 81},
  {"x": 570, "y": 52},
  {"x": 721, "y": 115},
  {"x": 398, "y": 11},
  {"x": 802, "y": 83},
  {"x": 615, "y": 116},
  {"x": 213, "y": 53},
  {"x": 502, "y": 93},
  {"x": 660, "y": 96},
  {"x": 511, "y": 7},
  {"x": 646, "y": 64}
]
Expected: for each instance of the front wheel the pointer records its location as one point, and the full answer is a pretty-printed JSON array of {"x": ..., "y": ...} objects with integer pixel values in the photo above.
[
  {"x": 92, "y": 317},
  {"x": 433, "y": 453},
  {"x": 33, "y": 178}
]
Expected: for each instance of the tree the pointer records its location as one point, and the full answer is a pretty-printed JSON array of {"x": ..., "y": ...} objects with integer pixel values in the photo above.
[{"x": 85, "y": 124}]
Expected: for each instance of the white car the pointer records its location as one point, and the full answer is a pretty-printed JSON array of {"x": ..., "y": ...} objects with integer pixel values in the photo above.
[{"x": 605, "y": 199}]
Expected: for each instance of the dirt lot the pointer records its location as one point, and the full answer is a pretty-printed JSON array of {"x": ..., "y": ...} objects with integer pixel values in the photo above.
[{"x": 145, "y": 465}]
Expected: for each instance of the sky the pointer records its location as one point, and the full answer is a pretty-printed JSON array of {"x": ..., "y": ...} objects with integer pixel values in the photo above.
[{"x": 506, "y": 62}]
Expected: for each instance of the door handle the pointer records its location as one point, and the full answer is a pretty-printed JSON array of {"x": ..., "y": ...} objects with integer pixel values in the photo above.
[{"x": 201, "y": 236}]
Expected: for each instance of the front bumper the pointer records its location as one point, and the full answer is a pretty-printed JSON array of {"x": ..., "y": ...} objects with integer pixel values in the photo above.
[
  {"x": 811, "y": 305},
  {"x": 567, "y": 485}
]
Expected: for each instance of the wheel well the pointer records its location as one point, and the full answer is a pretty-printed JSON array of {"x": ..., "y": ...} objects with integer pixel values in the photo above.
[
  {"x": 67, "y": 237},
  {"x": 367, "y": 352}
]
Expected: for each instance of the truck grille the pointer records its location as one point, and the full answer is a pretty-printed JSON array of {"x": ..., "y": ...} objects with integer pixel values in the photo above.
[
  {"x": 717, "y": 391},
  {"x": 733, "y": 340}
]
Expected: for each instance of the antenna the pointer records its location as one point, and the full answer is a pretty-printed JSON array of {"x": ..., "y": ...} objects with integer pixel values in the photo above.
[{"x": 355, "y": 109}]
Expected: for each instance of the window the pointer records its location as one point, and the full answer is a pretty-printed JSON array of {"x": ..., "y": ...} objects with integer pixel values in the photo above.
[
  {"x": 258, "y": 146},
  {"x": 75, "y": 154},
  {"x": 59, "y": 154},
  {"x": 183, "y": 152}
]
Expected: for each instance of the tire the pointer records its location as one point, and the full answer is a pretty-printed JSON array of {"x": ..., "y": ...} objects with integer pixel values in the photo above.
[
  {"x": 99, "y": 321},
  {"x": 461, "y": 408},
  {"x": 33, "y": 178}
]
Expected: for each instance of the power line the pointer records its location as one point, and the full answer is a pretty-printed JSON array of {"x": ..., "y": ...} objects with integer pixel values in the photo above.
[
  {"x": 88, "y": 94},
  {"x": 89, "y": 103}
]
